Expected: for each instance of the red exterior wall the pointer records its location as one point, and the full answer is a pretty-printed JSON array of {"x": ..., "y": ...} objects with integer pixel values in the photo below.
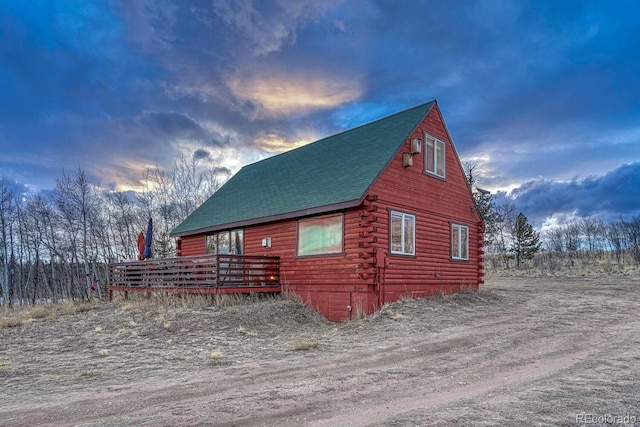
[
  {"x": 192, "y": 245},
  {"x": 366, "y": 276},
  {"x": 436, "y": 203}
]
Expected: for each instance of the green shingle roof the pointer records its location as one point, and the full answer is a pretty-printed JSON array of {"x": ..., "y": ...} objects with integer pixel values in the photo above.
[{"x": 334, "y": 171}]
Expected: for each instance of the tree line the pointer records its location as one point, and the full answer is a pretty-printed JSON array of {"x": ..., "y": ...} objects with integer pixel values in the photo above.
[
  {"x": 57, "y": 246},
  {"x": 510, "y": 236}
]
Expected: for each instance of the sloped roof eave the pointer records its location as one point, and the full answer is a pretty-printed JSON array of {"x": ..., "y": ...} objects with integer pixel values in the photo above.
[
  {"x": 296, "y": 189},
  {"x": 434, "y": 103},
  {"x": 272, "y": 218}
]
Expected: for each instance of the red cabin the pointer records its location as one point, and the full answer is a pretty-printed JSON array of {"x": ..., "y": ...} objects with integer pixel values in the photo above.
[{"x": 358, "y": 219}]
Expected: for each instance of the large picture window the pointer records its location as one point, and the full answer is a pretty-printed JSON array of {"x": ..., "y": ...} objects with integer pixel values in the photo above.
[
  {"x": 226, "y": 242},
  {"x": 320, "y": 235},
  {"x": 434, "y": 156},
  {"x": 459, "y": 242},
  {"x": 403, "y": 233}
]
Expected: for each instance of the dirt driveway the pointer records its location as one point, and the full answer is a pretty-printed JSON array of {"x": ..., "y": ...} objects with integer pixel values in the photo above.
[{"x": 519, "y": 352}]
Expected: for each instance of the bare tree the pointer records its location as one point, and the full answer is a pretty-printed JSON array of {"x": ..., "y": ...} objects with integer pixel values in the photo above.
[
  {"x": 122, "y": 222},
  {"x": 554, "y": 239},
  {"x": 592, "y": 229},
  {"x": 172, "y": 195},
  {"x": 76, "y": 201},
  {"x": 632, "y": 228},
  {"x": 504, "y": 220},
  {"x": 7, "y": 209},
  {"x": 616, "y": 238},
  {"x": 58, "y": 247}
]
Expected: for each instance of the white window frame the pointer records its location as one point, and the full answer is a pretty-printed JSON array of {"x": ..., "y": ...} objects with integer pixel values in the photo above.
[
  {"x": 459, "y": 242},
  {"x": 404, "y": 250},
  {"x": 432, "y": 148}
]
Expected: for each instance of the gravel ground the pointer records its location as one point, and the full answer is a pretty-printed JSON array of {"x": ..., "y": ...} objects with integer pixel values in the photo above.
[{"x": 521, "y": 351}]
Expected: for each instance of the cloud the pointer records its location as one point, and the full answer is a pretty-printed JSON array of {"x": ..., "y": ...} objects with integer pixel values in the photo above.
[
  {"x": 540, "y": 93},
  {"x": 173, "y": 124},
  {"x": 285, "y": 94},
  {"x": 14, "y": 187},
  {"x": 222, "y": 171},
  {"x": 201, "y": 154},
  {"x": 265, "y": 27},
  {"x": 607, "y": 196}
]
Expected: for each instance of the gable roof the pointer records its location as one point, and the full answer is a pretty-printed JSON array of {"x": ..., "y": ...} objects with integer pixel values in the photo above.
[{"x": 332, "y": 173}]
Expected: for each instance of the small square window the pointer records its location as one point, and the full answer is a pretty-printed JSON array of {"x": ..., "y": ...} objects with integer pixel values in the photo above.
[
  {"x": 321, "y": 235},
  {"x": 459, "y": 242},
  {"x": 403, "y": 233}
]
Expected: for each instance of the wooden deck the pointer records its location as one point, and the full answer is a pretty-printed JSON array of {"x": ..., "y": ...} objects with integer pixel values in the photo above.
[{"x": 207, "y": 274}]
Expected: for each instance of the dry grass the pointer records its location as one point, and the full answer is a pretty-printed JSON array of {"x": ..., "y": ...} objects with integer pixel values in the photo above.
[
  {"x": 87, "y": 374},
  {"x": 305, "y": 344},
  {"x": 3, "y": 367},
  {"x": 397, "y": 316},
  {"x": 278, "y": 348},
  {"x": 11, "y": 321},
  {"x": 553, "y": 264},
  {"x": 26, "y": 315}
]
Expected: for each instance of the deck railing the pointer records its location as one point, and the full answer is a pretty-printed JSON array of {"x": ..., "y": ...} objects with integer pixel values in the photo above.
[{"x": 207, "y": 273}]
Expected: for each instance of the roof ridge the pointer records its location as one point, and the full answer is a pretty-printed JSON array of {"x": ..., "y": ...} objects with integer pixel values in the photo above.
[
  {"x": 293, "y": 150},
  {"x": 329, "y": 173}
]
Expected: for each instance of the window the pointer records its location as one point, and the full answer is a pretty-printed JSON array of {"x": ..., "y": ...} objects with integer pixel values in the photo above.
[
  {"x": 226, "y": 242},
  {"x": 403, "y": 233},
  {"x": 320, "y": 235},
  {"x": 459, "y": 242},
  {"x": 434, "y": 156}
]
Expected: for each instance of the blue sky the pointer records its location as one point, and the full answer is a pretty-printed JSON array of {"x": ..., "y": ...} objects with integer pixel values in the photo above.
[{"x": 543, "y": 95}]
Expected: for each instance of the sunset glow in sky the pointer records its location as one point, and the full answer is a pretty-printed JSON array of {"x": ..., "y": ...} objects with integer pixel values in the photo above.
[{"x": 543, "y": 95}]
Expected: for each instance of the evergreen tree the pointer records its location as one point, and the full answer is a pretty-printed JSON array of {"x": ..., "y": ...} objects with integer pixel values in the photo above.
[{"x": 526, "y": 241}]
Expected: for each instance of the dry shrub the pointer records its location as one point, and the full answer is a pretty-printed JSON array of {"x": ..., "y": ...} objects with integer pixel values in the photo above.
[
  {"x": 39, "y": 312},
  {"x": 85, "y": 306},
  {"x": 226, "y": 300},
  {"x": 88, "y": 374},
  {"x": 11, "y": 322},
  {"x": 305, "y": 344},
  {"x": 158, "y": 301},
  {"x": 26, "y": 315},
  {"x": 270, "y": 312},
  {"x": 397, "y": 316}
]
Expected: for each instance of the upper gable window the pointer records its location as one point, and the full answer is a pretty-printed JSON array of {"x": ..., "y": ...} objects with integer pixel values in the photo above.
[
  {"x": 434, "y": 156},
  {"x": 320, "y": 235}
]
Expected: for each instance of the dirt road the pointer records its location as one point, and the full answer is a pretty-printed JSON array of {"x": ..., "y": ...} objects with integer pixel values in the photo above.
[{"x": 519, "y": 352}]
